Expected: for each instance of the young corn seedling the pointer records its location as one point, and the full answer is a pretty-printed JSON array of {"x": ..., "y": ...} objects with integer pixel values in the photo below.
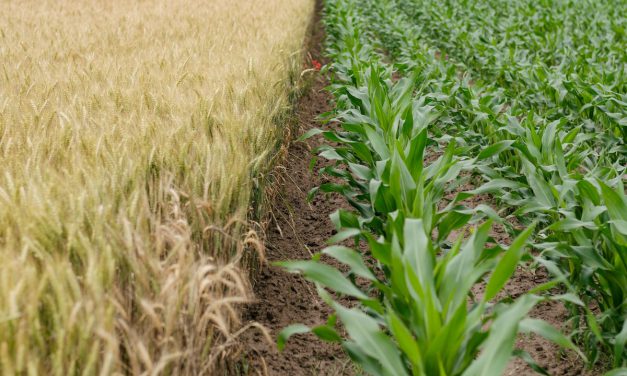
[{"x": 419, "y": 320}]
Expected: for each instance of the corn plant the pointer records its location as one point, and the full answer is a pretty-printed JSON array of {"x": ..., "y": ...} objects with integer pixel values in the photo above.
[{"x": 418, "y": 320}]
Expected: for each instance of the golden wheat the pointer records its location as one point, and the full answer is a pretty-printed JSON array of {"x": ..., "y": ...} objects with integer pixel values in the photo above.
[{"x": 132, "y": 134}]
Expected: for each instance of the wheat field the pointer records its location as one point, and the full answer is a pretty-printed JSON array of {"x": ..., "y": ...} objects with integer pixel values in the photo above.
[{"x": 132, "y": 135}]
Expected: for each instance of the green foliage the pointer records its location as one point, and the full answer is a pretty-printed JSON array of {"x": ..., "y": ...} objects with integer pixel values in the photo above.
[
  {"x": 420, "y": 321},
  {"x": 515, "y": 110},
  {"x": 565, "y": 151}
]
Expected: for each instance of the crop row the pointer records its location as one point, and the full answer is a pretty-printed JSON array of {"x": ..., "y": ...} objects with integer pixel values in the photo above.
[{"x": 403, "y": 149}]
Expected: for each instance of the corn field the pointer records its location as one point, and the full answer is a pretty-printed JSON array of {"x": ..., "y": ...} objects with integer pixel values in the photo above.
[{"x": 521, "y": 105}]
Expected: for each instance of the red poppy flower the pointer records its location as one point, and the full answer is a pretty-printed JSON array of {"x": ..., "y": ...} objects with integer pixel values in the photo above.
[{"x": 316, "y": 65}]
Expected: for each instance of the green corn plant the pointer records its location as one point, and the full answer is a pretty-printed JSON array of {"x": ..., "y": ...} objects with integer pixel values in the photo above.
[
  {"x": 419, "y": 320},
  {"x": 585, "y": 235},
  {"x": 582, "y": 219},
  {"x": 380, "y": 149}
]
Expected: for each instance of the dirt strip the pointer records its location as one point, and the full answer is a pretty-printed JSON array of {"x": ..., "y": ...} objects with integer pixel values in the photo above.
[{"x": 298, "y": 229}]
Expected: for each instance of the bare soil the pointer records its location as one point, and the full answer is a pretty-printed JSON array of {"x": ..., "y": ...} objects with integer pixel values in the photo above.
[{"x": 299, "y": 228}]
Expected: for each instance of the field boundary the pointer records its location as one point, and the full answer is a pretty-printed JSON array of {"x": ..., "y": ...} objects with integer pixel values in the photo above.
[{"x": 294, "y": 229}]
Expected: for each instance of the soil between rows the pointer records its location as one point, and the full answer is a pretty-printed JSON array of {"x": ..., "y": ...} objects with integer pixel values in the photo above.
[{"x": 300, "y": 228}]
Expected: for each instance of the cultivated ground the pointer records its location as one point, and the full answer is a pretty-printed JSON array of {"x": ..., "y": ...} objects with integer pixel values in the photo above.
[{"x": 296, "y": 230}]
